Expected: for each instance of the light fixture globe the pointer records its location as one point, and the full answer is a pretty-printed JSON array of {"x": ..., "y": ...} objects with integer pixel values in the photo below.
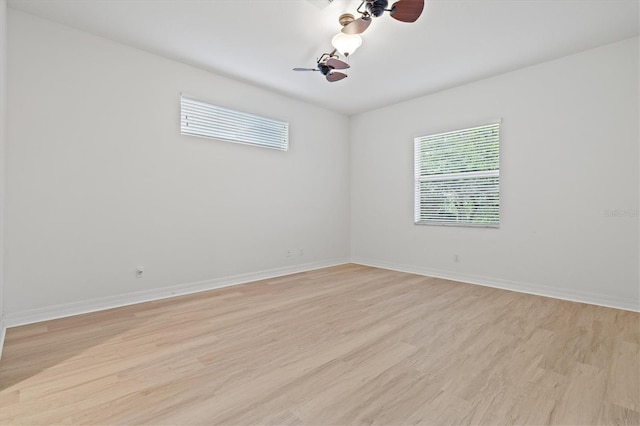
[{"x": 346, "y": 44}]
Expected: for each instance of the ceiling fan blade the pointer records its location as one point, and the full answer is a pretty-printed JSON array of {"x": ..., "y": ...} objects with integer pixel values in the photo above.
[
  {"x": 337, "y": 64},
  {"x": 358, "y": 26},
  {"x": 335, "y": 76},
  {"x": 407, "y": 10},
  {"x": 305, "y": 69}
]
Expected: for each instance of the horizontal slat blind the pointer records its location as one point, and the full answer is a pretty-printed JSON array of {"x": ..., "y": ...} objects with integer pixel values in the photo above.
[
  {"x": 210, "y": 121},
  {"x": 457, "y": 177}
]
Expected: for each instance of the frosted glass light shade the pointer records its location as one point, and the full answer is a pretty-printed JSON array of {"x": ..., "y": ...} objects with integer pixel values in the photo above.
[{"x": 346, "y": 44}]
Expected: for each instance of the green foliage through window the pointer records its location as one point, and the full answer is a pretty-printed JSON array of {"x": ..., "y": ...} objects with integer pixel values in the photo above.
[{"x": 458, "y": 177}]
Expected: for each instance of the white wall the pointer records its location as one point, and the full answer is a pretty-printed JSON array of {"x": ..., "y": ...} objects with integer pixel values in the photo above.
[
  {"x": 99, "y": 179},
  {"x": 569, "y": 153},
  {"x": 3, "y": 109}
]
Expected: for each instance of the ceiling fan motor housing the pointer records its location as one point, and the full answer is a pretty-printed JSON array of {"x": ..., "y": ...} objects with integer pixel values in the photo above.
[
  {"x": 324, "y": 69},
  {"x": 377, "y": 7}
]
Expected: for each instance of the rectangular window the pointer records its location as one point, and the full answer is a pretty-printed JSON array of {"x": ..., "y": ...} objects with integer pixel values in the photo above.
[
  {"x": 210, "y": 121},
  {"x": 457, "y": 177}
]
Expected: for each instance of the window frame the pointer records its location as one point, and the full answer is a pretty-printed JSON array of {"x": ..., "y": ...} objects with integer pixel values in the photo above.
[
  {"x": 455, "y": 178},
  {"x": 207, "y": 120}
]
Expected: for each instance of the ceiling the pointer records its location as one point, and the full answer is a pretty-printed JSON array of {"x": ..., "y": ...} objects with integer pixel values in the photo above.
[{"x": 260, "y": 41}]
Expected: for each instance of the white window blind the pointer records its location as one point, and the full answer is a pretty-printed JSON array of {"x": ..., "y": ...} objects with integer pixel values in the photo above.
[
  {"x": 457, "y": 177},
  {"x": 210, "y": 121}
]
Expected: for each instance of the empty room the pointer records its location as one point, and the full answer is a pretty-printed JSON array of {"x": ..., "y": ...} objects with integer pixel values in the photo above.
[{"x": 320, "y": 212}]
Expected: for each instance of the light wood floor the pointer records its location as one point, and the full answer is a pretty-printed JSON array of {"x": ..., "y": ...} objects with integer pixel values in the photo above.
[{"x": 343, "y": 345}]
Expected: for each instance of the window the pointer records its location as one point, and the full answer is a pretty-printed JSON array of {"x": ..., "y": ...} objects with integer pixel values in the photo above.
[
  {"x": 210, "y": 121},
  {"x": 457, "y": 177}
]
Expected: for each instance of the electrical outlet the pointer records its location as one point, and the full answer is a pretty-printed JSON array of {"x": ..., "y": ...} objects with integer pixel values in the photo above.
[
  {"x": 301, "y": 252},
  {"x": 456, "y": 258},
  {"x": 140, "y": 272},
  {"x": 288, "y": 253}
]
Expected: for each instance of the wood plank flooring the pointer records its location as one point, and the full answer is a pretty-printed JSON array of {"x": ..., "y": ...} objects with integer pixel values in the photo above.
[{"x": 337, "y": 346}]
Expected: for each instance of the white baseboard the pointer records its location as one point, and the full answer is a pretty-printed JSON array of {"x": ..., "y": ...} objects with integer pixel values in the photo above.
[
  {"x": 83, "y": 307},
  {"x": 3, "y": 333},
  {"x": 86, "y": 306},
  {"x": 556, "y": 293}
]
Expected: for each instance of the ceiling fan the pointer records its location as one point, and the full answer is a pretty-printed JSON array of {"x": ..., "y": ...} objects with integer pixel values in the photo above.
[
  {"x": 327, "y": 65},
  {"x": 403, "y": 10}
]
